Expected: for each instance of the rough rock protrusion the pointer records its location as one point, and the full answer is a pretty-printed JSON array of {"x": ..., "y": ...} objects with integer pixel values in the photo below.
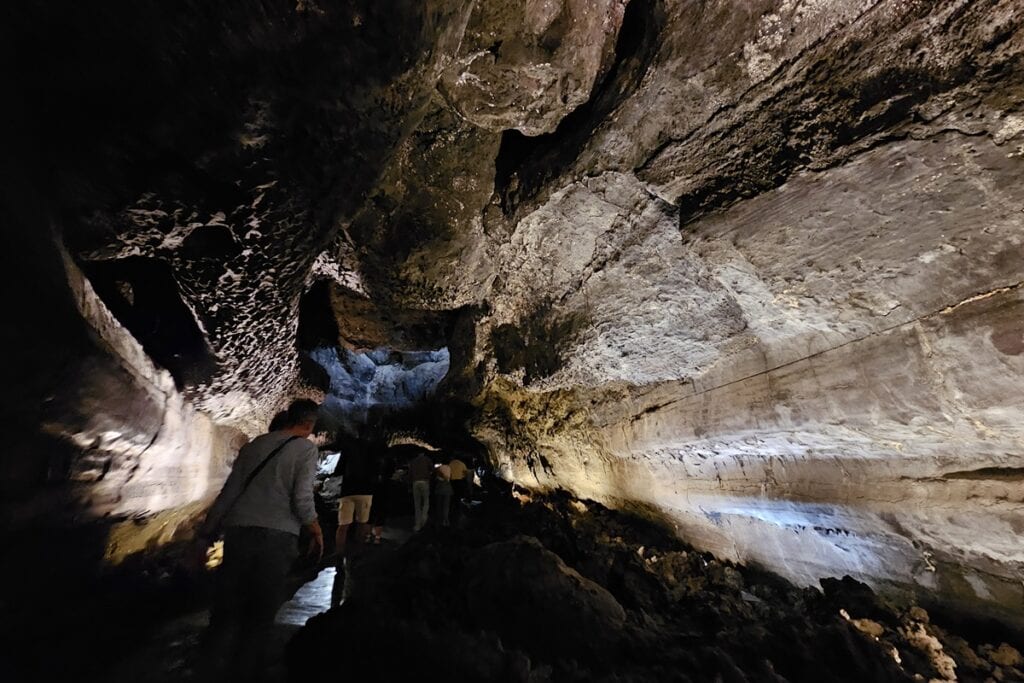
[
  {"x": 525, "y": 591},
  {"x": 525, "y": 65}
]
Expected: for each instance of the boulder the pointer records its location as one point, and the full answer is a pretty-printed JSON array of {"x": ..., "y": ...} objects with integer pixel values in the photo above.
[{"x": 528, "y": 594}]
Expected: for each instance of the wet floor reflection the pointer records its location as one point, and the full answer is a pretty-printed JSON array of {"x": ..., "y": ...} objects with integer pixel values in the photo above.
[{"x": 309, "y": 601}]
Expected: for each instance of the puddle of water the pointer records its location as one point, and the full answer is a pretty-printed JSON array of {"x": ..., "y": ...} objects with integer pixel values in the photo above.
[{"x": 309, "y": 601}]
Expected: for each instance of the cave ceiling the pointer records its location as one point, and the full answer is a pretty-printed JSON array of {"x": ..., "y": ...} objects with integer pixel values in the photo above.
[{"x": 751, "y": 267}]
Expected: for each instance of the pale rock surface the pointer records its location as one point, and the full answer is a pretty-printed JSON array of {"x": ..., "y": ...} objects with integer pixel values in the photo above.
[
  {"x": 824, "y": 377},
  {"x": 149, "y": 456},
  {"x": 380, "y": 379},
  {"x": 525, "y": 65}
]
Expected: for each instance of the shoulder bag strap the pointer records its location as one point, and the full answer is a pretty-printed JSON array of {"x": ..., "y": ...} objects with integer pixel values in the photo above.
[{"x": 257, "y": 470}]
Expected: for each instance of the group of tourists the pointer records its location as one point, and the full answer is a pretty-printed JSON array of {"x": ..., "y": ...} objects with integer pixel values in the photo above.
[
  {"x": 268, "y": 500},
  {"x": 451, "y": 481}
]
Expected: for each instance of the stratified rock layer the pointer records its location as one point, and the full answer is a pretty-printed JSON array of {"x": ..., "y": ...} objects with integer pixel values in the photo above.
[
  {"x": 832, "y": 366},
  {"x": 773, "y": 295}
]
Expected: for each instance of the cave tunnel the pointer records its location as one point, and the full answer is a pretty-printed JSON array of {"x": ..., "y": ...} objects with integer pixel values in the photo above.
[{"x": 704, "y": 321}]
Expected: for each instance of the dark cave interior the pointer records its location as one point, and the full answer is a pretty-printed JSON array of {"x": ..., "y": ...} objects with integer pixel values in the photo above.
[{"x": 722, "y": 302}]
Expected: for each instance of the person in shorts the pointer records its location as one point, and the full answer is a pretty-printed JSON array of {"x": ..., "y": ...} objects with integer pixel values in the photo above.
[{"x": 357, "y": 487}]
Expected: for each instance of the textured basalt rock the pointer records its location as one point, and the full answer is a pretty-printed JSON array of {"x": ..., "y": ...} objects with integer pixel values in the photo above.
[
  {"x": 121, "y": 442},
  {"x": 524, "y": 591},
  {"x": 245, "y": 222},
  {"x": 196, "y": 163},
  {"x": 419, "y": 236},
  {"x": 524, "y": 66}
]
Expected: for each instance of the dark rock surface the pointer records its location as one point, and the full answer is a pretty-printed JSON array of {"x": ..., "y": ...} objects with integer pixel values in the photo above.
[
  {"x": 556, "y": 589},
  {"x": 523, "y": 591}
]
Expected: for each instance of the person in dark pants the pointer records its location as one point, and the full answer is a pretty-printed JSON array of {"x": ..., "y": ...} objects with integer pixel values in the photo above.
[
  {"x": 460, "y": 489},
  {"x": 382, "y": 497},
  {"x": 357, "y": 487},
  {"x": 266, "y": 501}
]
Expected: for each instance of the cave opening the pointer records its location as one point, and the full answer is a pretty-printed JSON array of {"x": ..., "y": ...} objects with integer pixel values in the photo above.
[
  {"x": 144, "y": 297},
  {"x": 396, "y": 383},
  {"x": 382, "y": 383}
]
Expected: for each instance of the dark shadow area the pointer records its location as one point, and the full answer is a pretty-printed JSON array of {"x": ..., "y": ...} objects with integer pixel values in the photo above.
[
  {"x": 536, "y": 344},
  {"x": 549, "y": 588},
  {"x": 525, "y": 163},
  {"x": 210, "y": 242},
  {"x": 65, "y": 617},
  {"x": 988, "y": 473},
  {"x": 443, "y": 423},
  {"x": 317, "y": 328},
  {"x": 143, "y": 295},
  {"x": 317, "y": 324}
]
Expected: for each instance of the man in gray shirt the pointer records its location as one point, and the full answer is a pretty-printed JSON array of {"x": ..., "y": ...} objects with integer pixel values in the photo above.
[{"x": 266, "y": 501}]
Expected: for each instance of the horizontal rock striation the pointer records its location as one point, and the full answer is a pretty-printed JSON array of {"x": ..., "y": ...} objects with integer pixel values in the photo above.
[{"x": 779, "y": 293}]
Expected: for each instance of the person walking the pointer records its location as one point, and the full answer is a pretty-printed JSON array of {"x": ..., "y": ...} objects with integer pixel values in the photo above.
[
  {"x": 420, "y": 469},
  {"x": 264, "y": 504},
  {"x": 459, "y": 484},
  {"x": 357, "y": 487},
  {"x": 443, "y": 494},
  {"x": 381, "y": 497}
]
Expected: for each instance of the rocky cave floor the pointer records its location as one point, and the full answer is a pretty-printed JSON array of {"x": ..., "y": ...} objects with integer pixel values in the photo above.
[
  {"x": 554, "y": 589},
  {"x": 551, "y": 588}
]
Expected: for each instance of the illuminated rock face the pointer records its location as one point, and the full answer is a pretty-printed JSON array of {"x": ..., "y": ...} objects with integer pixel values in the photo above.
[
  {"x": 115, "y": 444},
  {"x": 361, "y": 383},
  {"x": 147, "y": 452},
  {"x": 524, "y": 66},
  {"x": 751, "y": 268},
  {"x": 782, "y": 309}
]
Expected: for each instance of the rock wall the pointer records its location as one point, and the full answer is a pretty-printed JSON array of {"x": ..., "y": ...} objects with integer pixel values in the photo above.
[
  {"x": 196, "y": 163},
  {"x": 126, "y": 446},
  {"x": 780, "y": 303}
]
